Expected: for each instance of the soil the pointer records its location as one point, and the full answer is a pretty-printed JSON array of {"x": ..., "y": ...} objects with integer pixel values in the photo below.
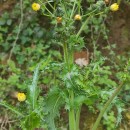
[
  {"x": 6, "y": 5},
  {"x": 120, "y": 29}
]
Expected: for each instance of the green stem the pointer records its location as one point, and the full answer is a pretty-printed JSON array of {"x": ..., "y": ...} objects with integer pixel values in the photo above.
[
  {"x": 50, "y": 5},
  {"x": 84, "y": 24},
  {"x": 99, "y": 13},
  {"x": 45, "y": 14},
  {"x": 78, "y": 117},
  {"x": 82, "y": 27},
  {"x": 68, "y": 58},
  {"x": 72, "y": 123},
  {"x": 89, "y": 13},
  {"x": 66, "y": 54},
  {"x": 46, "y": 8},
  {"x": 63, "y": 7},
  {"x": 106, "y": 106},
  {"x": 71, "y": 57},
  {"x": 73, "y": 9}
]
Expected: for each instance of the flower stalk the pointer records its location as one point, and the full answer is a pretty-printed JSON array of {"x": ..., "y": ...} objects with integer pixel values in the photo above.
[
  {"x": 78, "y": 118},
  {"x": 72, "y": 123},
  {"x": 69, "y": 60},
  {"x": 82, "y": 27},
  {"x": 107, "y": 105}
]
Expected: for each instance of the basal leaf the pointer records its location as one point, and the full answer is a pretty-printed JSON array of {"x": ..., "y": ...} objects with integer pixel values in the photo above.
[
  {"x": 33, "y": 89},
  {"x": 53, "y": 103},
  {"x": 13, "y": 109}
]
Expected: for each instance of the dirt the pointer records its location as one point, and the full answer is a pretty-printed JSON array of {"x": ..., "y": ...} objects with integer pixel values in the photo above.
[
  {"x": 87, "y": 119},
  {"x": 6, "y": 5},
  {"x": 120, "y": 29}
]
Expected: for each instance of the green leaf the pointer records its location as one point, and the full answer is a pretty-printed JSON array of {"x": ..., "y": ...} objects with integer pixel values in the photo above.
[
  {"x": 33, "y": 89},
  {"x": 2, "y": 22},
  {"x": 79, "y": 100},
  {"x": 9, "y": 21},
  {"x": 32, "y": 121},
  {"x": 11, "y": 108},
  {"x": 53, "y": 103}
]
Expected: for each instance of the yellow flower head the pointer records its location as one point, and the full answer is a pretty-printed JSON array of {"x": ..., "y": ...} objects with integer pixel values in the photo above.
[
  {"x": 35, "y": 6},
  {"x": 77, "y": 17},
  {"x": 59, "y": 19},
  {"x": 21, "y": 97},
  {"x": 114, "y": 7}
]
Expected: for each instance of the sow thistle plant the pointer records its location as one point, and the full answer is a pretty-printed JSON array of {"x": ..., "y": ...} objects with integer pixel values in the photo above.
[{"x": 74, "y": 84}]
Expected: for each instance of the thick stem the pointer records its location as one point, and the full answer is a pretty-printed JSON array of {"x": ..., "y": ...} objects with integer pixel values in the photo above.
[
  {"x": 106, "y": 106},
  {"x": 78, "y": 118},
  {"x": 66, "y": 54},
  {"x": 71, "y": 57},
  {"x": 72, "y": 123}
]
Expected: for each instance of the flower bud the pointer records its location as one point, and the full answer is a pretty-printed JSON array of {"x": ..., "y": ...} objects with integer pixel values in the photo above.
[
  {"x": 59, "y": 19},
  {"x": 77, "y": 17}
]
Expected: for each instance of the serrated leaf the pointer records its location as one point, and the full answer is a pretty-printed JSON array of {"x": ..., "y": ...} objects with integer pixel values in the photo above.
[
  {"x": 11, "y": 108},
  {"x": 32, "y": 121},
  {"x": 53, "y": 103},
  {"x": 33, "y": 90}
]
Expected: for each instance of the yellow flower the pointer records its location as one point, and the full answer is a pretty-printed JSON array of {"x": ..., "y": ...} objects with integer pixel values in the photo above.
[
  {"x": 114, "y": 7},
  {"x": 59, "y": 19},
  {"x": 77, "y": 17},
  {"x": 35, "y": 6},
  {"x": 21, "y": 97}
]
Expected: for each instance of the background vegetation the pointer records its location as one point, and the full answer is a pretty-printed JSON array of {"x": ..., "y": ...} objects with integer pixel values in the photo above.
[{"x": 29, "y": 44}]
